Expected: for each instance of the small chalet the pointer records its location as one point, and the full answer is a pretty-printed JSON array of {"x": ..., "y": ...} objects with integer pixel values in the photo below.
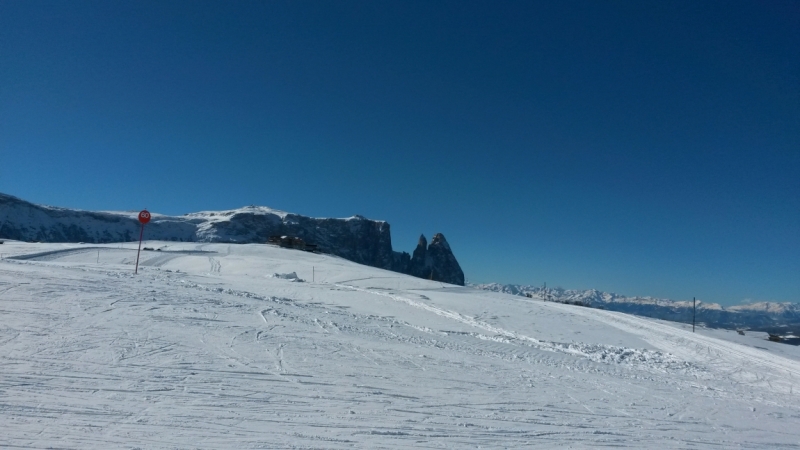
[{"x": 292, "y": 242}]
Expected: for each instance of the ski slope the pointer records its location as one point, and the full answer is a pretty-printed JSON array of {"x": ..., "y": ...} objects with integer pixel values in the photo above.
[{"x": 215, "y": 346}]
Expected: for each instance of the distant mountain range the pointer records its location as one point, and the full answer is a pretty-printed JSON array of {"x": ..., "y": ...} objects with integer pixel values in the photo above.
[
  {"x": 782, "y": 318},
  {"x": 355, "y": 238}
]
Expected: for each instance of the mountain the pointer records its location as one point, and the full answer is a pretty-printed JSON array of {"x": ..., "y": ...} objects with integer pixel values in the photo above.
[
  {"x": 432, "y": 262},
  {"x": 355, "y": 238},
  {"x": 763, "y": 316}
]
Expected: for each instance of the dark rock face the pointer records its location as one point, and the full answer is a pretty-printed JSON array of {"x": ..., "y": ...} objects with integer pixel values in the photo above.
[
  {"x": 419, "y": 264},
  {"x": 356, "y": 238},
  {"x": 435, "y": 261},
  {"x": 444, "y": 266}
]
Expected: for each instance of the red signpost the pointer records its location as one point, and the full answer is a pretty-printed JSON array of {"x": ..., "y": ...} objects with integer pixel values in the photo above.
[{"x": 144, "y": 217}]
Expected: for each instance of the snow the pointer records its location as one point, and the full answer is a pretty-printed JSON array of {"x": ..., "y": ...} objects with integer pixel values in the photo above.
[
  {"x": 288, "y": 276},
  {"x": 221, "y": 216},
  {"x": 781, "y": 318},
  {"x": 207, "y": 348}
]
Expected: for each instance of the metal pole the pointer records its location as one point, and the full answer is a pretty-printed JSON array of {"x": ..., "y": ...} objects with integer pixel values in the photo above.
[
  {"x": 694, "y": 311},
  {"x": 312, "y": 274},
  {"x": 141, "y": 233}
]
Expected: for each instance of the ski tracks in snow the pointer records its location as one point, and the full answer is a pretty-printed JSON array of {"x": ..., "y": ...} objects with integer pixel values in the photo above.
[
  {"x": 743, "y": 364},
  {"x": 215, "y": 264},
  {"x": 640, "y": 358},
  {"x": 99, "y": 359}
]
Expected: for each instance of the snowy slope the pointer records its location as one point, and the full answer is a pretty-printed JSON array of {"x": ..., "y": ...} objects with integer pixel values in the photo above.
[
  {"x": 782, "y": 318},
  {"x": 211, "y": 346}
]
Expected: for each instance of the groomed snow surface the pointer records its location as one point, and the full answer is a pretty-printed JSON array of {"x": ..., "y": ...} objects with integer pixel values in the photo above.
[{"x": 219, "y": 346}]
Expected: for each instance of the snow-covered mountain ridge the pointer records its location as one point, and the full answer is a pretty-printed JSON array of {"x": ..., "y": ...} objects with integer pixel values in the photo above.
[
  {"x": 763, "y": 316},
  {"x": 355, "y": 238}
]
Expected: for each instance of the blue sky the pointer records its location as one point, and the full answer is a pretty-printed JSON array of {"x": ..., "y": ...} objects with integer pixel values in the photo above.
[{"x": 644, "y": 148}]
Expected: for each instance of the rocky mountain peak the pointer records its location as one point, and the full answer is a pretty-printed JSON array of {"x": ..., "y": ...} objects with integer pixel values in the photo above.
[
  {"x": 441, "y": 257},
  {"x": 439, "y": 241},
  {"x": 435, "y": 261},
  {"x": 421, "y": 250}
]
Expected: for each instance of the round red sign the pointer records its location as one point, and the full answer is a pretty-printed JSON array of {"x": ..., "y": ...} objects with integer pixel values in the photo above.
[{"x": 144, "y": 216}]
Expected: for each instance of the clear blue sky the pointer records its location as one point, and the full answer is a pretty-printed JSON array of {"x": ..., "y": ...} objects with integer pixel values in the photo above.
[{"x": 639, "y": 147}]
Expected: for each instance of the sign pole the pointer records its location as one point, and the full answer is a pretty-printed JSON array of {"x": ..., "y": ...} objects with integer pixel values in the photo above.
[
  {"x": 141, "y": 233},
  {"x": 144, "y": 217}
]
